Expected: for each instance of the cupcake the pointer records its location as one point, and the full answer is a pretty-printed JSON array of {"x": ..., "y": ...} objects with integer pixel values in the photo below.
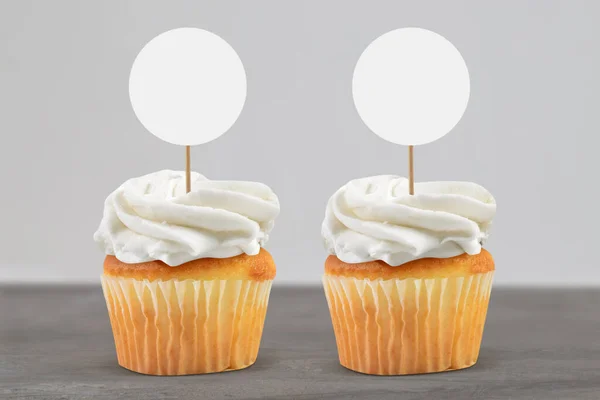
[
  {"x": 186, "y": 278},
  {"x": 408, "y": 282}
]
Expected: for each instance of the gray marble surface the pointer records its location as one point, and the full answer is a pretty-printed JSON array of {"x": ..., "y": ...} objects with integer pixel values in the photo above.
[{"x": 56, "y": 343}]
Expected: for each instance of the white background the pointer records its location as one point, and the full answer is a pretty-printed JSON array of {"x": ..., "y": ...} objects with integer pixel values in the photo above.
[{"x": 529, "y": 135}]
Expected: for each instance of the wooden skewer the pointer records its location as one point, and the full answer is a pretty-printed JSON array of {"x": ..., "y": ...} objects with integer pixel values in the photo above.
[
  {"x": 411, "y": 171},
  {"x": 188, "y": 177}
]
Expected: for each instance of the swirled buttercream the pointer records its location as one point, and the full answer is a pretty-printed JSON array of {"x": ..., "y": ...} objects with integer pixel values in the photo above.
[
  {"x": 375, "y": 218},
  {"x": 153, "y": 218}
]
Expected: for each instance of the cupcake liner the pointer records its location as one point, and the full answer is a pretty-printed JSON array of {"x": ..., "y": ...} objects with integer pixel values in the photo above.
[
  {"x": 408, "y": 326},
  {"x": 186, "y": 327}
]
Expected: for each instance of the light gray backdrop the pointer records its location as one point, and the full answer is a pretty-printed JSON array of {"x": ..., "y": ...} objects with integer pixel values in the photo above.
[{"x": 530, "y": 133}]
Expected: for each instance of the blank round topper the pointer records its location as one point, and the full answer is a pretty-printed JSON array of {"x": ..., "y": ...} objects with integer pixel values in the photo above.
[
  {"x": 187, "y": 86},
  {"x": 411, "y": 86}
]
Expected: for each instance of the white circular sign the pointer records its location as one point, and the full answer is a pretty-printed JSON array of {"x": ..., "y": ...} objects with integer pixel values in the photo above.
[
  {"x": 187, "y": 86},
  {"x": 411, "y": 86}
]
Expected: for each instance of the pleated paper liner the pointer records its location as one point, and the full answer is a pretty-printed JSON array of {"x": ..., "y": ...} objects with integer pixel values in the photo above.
[
  {"x": 409, "y": 326},
  {"x": 186, "y": 327}
]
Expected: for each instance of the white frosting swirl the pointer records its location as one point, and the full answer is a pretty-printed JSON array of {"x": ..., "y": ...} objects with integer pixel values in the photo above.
[
  {"x": 375, "y": 218},
  {"x": 153, "y": 218}
]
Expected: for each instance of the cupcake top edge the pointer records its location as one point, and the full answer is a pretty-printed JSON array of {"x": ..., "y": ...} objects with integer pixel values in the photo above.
[
  {"x": 153, "y": 218},
  {"x": 375, "y": 218}
]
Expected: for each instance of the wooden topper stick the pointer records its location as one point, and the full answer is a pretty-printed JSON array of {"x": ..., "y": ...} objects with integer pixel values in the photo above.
[
  {"x": 188, "y": 177},
  {"x": 411, "y": 171}
]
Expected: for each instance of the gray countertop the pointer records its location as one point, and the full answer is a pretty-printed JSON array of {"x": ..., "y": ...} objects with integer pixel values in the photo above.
[{"x": 56, "y": 343}]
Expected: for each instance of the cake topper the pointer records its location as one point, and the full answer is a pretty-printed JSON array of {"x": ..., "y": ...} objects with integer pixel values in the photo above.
[
  {"x": 411, "y": 87},
  {"x": 187, "y": 87}
]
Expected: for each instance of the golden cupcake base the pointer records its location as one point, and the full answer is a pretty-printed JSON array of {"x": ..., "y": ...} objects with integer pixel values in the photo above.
[
  {"x": 408, "y": 326},
  {"x": 183, "y": 327}
]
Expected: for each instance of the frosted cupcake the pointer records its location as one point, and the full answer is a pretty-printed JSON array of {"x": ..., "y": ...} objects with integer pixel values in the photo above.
[
  {"x": 186, "y": 279},
  {"x": 408, "y": 282}
]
